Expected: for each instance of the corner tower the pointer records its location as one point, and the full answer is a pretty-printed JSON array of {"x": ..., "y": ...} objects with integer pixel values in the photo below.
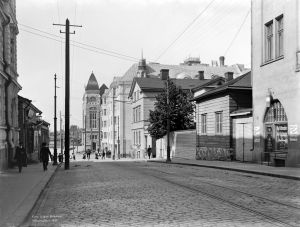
[{"x": 90, "y": 114}]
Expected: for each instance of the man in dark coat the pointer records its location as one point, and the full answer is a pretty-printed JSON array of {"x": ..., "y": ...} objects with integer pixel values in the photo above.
[
  {"x": 20, "y": 156},
  {"x": 149, "y": 151},
  {"x": 44, "y": 156}
]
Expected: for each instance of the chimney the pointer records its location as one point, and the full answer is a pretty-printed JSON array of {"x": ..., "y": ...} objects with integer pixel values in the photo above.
[
  {"x": 222, "y": 60},
  {"x": 201, "y": 75},
  {"x": 228, "y": 76},
  {"x": 164, "y": 74}
]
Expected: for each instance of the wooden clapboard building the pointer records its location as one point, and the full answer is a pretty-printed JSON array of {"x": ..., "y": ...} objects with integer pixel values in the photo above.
[{"x": 216, "y": 106}]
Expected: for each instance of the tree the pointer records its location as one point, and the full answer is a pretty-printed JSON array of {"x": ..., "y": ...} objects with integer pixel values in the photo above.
[{"x": 180, "y": 111}]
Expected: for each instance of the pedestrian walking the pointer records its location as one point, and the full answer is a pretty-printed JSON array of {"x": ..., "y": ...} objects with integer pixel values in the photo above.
[
  {"x": 74, "y": 157},
  {"x": 149, "y": 151},
  {"x": 44, "y": 155},
  {"x": 21, "y": 157},
  {"x": 103, "y": 154},
  {"x": 88, "y": 154}
]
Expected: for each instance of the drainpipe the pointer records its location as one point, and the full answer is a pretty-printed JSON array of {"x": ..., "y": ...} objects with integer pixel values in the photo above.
[{"x": 7, "y": 84}]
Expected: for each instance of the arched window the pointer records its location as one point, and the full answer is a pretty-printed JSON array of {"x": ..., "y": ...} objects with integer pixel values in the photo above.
[
  {"x": 275, "y": 113},
  {"x": 92, "y": 99}
]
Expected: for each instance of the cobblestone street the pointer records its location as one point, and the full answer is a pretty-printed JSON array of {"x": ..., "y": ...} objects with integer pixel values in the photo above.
[{"x": 147, "y": 194}]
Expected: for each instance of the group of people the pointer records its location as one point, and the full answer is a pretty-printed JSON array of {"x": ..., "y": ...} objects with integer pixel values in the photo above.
[
  {"x": 21, "y": 156},
  {"x": 87, "y": 154}
]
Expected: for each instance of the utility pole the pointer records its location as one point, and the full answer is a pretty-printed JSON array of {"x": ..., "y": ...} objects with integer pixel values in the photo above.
[
  {"x": 165, "y": 76},
  {"x": 61, "y": 137},
  {"x": 85, "y": 133},
  {"x": 113, "y": 110},
  {"x": 118, "y": 137},
  {"x": 67, "y": 91},
  {"x": 55, "y": 125}
]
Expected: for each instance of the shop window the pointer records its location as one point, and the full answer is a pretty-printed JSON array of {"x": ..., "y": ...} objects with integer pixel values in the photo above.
[{"x": 277, "y": 127}]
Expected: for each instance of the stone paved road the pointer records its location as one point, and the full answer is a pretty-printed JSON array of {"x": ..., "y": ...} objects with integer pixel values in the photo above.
[{"x": 155, "y": 194}]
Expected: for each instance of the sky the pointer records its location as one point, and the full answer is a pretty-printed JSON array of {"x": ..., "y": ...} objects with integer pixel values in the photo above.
[{"x": 113, "y": 35}]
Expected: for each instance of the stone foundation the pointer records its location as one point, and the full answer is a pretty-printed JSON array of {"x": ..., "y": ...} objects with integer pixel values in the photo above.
[{"x": 212, "y": 153}]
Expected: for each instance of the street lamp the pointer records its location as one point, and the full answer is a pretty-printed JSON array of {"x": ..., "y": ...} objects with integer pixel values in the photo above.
[
  {"x": 165, "y": 76},
  {"x": 55, "y": 124},
  {"x": 118, "y": 140}
]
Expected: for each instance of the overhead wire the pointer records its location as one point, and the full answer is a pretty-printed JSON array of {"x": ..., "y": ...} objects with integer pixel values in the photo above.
[
  {"x": 81, "y": 47},
  {"x": 237, "y": 33},
  {"x": 186, "y": 28},
  {"x": 195, "y": 39},
  {"x": 83, "y": 44}
]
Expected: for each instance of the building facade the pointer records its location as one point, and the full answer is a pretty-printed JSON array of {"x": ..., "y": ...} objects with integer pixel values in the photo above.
[
  {"x": 9, "y": 86},
  {"x": 276, "y": 81},
  {"x": 91, "y": 115},
  {"x": 117, "y": 111},
  {"x": 214, "y": 111}
]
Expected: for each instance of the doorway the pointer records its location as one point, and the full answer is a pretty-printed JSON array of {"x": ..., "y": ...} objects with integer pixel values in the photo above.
[{"x": 276, "y": 134}]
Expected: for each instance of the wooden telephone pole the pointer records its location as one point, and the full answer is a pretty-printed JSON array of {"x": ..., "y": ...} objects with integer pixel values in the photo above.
[{"x": 67, "y": 91}]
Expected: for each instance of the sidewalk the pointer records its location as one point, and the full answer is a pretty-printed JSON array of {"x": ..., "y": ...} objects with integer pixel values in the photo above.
[
  {"x": 20, "y": 191},
  {"x": 253, "y": 168}
]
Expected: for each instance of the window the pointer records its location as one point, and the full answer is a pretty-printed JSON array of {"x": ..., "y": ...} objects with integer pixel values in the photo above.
[
  {"x": 133, "y": 114},
  {"x": 105, "y": 135},
  {"x": 137, "y": 114},
  {"x": 93, "y": 119},
  {"x": 137, "y": 95},
  {"x": 139, "y": 138},
  {"x": 279, "y": 36},
  {"x": 219, "y": 122},
  {"x": 203, "y": 123},
  {"x": 269, "y": 41},
  {"x": 104, "y": 123},
  {"x": 104, "y": 112}
]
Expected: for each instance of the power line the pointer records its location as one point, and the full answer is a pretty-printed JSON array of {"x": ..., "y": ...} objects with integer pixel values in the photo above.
[
  {"x": 81, "y": 47},
  {"x": 189, "y": 25},
  {"x": 237, "y": 33},
  {"x": 83, "y": 44}
]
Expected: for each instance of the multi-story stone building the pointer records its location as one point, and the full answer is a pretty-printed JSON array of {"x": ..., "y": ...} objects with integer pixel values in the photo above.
[
  {"x": 276, "y": 81},
  {"x": 91, "y": 114},
  {"x": 91, "y": 110},
  {"x": 115, "y": 117},
  {"x": 9, "y": 87},
  {"x": 118, "y": 110}
]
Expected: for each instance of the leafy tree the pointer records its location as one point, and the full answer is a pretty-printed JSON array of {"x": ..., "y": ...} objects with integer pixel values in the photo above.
[{"x": 180, "y": 110}]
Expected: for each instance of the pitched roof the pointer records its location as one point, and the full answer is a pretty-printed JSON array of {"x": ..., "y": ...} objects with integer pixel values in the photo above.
[
  {"x": 242, "y": 82},
  {"x": 92, "y": 83},
  {"x": 157, "y": 85},
  {"x": 102, "y": 89},
  {"x": 181, "y": 71},
  {"x": 211, "y": 83}
]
